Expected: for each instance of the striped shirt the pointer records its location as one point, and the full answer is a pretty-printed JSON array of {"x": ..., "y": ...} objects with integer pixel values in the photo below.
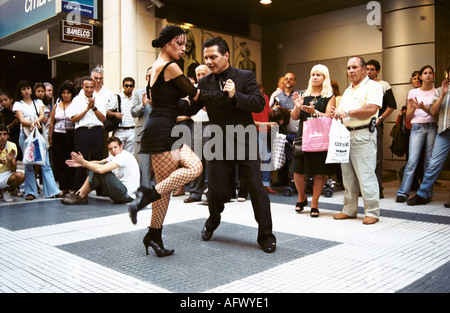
[
  {"x": 444, "y": 112},
  {"x": 126, "y": 103}
]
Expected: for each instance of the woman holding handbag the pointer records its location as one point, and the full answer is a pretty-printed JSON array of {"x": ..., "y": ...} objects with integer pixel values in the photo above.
[
  {"x": 317, "y": 101},
  {"x": 30, "y": 113}
]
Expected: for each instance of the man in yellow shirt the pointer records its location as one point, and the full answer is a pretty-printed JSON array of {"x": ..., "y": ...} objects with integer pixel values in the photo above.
[
  {"x": 359, "y": 110},
  {"x": 10, "y": 179}
]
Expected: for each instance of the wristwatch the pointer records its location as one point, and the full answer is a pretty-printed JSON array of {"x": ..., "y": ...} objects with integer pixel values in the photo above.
[
  {"x": 347, "y": 113},
  {"x": 94, "y": 109},
  {"x": 381, "y": 119}
]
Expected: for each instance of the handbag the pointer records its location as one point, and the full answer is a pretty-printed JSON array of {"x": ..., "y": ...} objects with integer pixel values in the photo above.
[
  {"x": 112, "y": 123},
  {"x": 297, "y": 149},
  {"x": 316, "y": 134},
  {"x": 35, "y": 149},
  {"x": 27, "y": 129},
  {"x": 398, "y": 134},
  {"x": 278, "y": 154},
  {"x": 339, "y": 148}
]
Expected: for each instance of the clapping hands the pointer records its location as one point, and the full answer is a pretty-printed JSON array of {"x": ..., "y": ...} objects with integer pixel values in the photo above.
[
  {"x": 76, "y": 160},
  {"x": 9, "y": 157}
]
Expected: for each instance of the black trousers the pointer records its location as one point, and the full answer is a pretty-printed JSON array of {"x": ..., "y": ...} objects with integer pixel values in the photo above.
[
  {"x": 90, "y": 143},
  {"x": 63, "y": 145},
  {"x": 220, "y": 171}
]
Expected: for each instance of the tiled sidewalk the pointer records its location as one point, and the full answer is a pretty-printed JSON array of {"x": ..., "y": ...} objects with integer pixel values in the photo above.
[{"x": 48, "y": 247}]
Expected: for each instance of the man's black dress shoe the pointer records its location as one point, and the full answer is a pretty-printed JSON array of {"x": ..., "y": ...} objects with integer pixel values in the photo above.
[
  {"x": 190, "y": 199},
  {"x": 269, "y": 247},
  {"x": 206, "y": 234}
]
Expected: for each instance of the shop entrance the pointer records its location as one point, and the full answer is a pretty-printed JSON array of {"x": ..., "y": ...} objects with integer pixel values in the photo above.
[{"x": 16, "y": 66}]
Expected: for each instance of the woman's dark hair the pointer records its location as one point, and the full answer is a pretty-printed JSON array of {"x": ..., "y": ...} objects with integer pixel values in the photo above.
[
  {"x": 221, "y": 44},
  {"x": 167, "y": 34},
  {"x": 335, "y": 86},
  {"x": 69, "y": 86},
  {"x": 282, "y": 117},
  {"x": 20, "y": 85},
  {"x": 38, "y": 85},
  {"x": 6, "y": 94},
  {"x": 424, "y": 68}
]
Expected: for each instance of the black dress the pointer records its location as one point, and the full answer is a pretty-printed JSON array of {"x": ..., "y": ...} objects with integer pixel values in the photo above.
[
  {"x": 157, "y": 136},
  {"x": 311, "y": 163},
  {"x": 167, "y": 105}
]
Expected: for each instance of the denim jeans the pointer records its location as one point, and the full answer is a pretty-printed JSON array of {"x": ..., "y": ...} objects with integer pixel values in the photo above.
[
  {"x": 421, "y": 134},
  {"x": 438, "y": 158},
  {"x": 48, "y": 180}
]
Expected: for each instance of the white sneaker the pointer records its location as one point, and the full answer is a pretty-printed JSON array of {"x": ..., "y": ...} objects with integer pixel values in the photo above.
[{"x": 7, "y": 196}]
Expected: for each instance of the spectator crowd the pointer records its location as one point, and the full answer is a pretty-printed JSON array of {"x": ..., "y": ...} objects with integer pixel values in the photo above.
[{"x": 83, "y": 156}]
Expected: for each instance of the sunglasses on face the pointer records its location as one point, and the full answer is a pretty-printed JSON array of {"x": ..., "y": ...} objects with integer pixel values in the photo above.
[{"x": 128, "y": 86}]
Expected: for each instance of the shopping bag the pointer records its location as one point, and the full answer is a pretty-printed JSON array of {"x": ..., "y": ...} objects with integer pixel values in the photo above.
[
  {"x": 316, "y": 132},
  {"x": 278, "y": 154},
  {"x": 35, "y": 149},
  {"x": 339, "y": 147}
]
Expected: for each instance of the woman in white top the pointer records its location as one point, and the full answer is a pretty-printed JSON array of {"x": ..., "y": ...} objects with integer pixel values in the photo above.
[
  {"x": 30, "y": 113},
  {"x": 61, "y": 137},
  {"x": 423, "y": 128}
]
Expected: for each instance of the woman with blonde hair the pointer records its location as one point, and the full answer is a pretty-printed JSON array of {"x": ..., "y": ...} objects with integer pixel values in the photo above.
[{"x": 316, "y": 101}]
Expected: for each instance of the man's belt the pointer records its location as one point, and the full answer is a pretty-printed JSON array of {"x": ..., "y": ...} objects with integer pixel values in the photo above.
[
  {"x": 358, "y": 127},
  {"x": 131, "y": 127},
  {"x": 89, "y": 127},
  {"x": 371, "y": 126}
]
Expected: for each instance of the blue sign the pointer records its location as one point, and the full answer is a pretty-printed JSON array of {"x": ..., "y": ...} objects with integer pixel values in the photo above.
[
  {"x": 16, "y": 15},
  {"x": 82, "y": 7}
]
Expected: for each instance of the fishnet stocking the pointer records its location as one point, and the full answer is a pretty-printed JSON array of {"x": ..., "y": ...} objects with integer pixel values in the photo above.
[{"x": 173, "y": 169}]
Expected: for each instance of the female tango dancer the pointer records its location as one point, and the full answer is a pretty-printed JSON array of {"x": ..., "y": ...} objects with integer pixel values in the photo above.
[{"x": 174, "y": 163}]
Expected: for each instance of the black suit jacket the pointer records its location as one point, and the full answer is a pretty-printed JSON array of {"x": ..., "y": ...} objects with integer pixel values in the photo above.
[{"x": 234, "y": 115}]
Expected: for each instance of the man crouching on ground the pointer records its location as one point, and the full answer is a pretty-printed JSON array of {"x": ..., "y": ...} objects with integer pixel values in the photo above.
[
  {"x": 117, "y": 175},
  {"x": 10, "y": 178}
]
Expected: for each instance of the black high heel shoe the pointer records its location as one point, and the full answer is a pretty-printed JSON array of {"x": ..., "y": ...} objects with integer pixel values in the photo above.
[
  {"x": 153, "y": 239},
  {"x": 144, "y": 196}
]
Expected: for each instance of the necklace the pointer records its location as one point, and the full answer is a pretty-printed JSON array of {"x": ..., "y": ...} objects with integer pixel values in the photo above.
[{"x": 315, "y": 100}]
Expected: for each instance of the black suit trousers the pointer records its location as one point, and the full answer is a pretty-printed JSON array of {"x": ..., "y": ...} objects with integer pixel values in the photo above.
[
  {"x": 220, "y": 171},
  {"x": 90, "y": 143}
]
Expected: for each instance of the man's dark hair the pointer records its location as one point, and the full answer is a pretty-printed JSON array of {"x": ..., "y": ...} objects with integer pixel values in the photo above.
[
  {"x": 221, "y": 44},
  {"x": 362, "y": 62},
  {"x": 128, "y": 79},
  {"x": 4, "y": 128},
  {"x": 375, "y": 63},
  {"x": 88, "y": 79},
  {"x": 113, "y": 139}
]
